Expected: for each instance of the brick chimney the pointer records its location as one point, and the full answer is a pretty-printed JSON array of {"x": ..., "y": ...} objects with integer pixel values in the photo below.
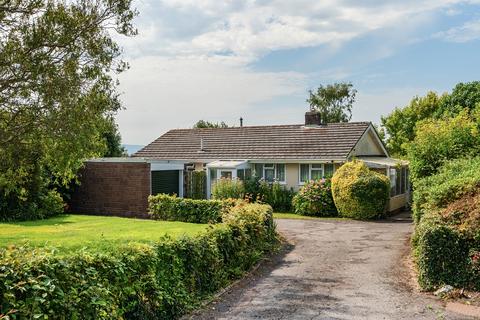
[{"x": 313, "y": 118}]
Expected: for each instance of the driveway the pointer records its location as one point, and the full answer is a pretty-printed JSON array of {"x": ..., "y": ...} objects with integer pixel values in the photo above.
[{"x": 332, "y": 270}]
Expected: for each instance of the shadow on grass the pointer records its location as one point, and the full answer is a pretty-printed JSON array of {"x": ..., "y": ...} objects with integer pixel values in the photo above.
[{"x": 57, "y": 220}]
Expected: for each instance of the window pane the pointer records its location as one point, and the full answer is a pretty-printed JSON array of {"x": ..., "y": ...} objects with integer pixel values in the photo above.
[
  {"x": 393, "y": 180},
  {"x": 398, "y": 182},
  {"x": 269, "y": 174},
  {"x": 269, "y": 165},
  {"x": 241, "y": 174},
  {"x": 317, "y": 165},
  {"x": 258, "y": 170},
  {"x": 281, "y": 172},
  {"x": 226, "y": 174},
  {"x": 316, "y": 174},
  {"x": 304, "y": 173},
  {"x": 328, "y": 170}
]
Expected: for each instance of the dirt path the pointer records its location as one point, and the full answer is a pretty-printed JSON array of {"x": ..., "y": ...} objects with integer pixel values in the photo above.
[{"x": 332, "y": 270}]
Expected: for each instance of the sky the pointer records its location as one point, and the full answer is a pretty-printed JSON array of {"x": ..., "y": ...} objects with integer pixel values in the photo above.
[{"x": 256, "y": 59}]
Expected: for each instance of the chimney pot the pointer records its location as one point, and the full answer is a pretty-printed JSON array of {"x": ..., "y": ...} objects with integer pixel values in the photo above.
[{"x": 241, "y": 122}]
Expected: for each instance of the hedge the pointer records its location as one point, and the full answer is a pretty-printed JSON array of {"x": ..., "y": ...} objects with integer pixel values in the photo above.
[
  {"x": 160, "y": 280},
  {"x": 359, "y": 192},
  {"x": 315, "y": 199},
  {"x": 166, "y": 207},
  {"x": 455, "y": 179},
  {"x": 445, "y": 254}
]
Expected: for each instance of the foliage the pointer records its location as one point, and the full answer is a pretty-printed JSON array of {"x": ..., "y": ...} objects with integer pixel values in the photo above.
[
  {"x": 315, "y": 199},
  {"x": 274, "y": 194},
  {"x": 159, "y": 280},
  {"x": 438, "y": 141},
  {"x": 57, "y": 60},
  {"x": 334, "y": 102},
  {"x": 74, "y": 232},
  {"x": 447, "y": 244},
  {"x": 455, "y": 179},
  {"x": 465, "y": 96},
  {"x": 166, "y": 207},
  {"x": 196, "y": 185},
  {"x": 113, "y": 140},
  {"x": 207, "y": 124},
  {"x": 401, "y": 123},
  {"x": 228, "y": 189},
  {"x": 358, "y": 192}
]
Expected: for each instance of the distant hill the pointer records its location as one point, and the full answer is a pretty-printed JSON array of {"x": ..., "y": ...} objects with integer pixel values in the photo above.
[{"x": 132, "y": 148}]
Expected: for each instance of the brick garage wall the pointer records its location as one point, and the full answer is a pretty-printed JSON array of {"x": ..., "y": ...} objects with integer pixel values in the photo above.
[{"x": 113, "y": 188}]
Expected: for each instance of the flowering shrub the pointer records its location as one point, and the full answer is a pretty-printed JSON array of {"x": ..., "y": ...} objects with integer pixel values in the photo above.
[{"x": 315, "y": 199}]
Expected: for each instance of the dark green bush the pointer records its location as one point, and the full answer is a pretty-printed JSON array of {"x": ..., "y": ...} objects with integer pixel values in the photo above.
[
  {"x": 455, "y": 179},
  {"x": 47, "y": 203},
  {"x": 359, "y": 192},
  {"x": 445, "y": 254},
  {"x": 274, "y": 194},
  {"x": 166, "y": 207},
  {"x": 159, "y": 280},
  {"x": 315, "y": 199}
]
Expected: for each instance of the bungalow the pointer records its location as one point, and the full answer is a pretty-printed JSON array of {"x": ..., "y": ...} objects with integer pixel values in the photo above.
[{"x": 288, "y": 154}]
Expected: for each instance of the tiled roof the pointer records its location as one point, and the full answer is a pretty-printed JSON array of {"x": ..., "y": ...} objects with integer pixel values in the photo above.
[{"x": 333, "y": 141}]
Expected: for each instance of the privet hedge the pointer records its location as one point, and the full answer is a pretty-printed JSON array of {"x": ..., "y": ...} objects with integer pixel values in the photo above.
[
  {"x": 358, "y": 192},
  {"x": 166, "y": 207},
  {"x": 159, "y": 280},
  {"x": 447, "y": 234}
]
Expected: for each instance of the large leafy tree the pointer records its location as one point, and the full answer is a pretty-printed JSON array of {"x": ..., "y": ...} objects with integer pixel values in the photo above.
[
  {"x": 334, "y": 101},
  {"x": 57, "y": 60},
  {"x": 401, "y": 123}
]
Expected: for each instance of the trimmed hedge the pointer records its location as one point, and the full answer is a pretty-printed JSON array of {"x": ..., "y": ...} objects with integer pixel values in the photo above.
[
  {"x": 445, "y": 254},
  {"x": 315, "y": 199},
  {"x": 159, "y": 280},
  {"x": 358, "y": 192},
  {"x": 166, "y": 207}
]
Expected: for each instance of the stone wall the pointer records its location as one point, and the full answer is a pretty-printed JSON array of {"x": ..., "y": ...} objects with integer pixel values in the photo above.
[{"x": 113, "y": 188}]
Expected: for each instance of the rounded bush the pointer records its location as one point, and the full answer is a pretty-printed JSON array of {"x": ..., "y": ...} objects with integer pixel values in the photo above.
[
  {"x": 315, "y": 199},
  {"x": 358, "y": 192}
]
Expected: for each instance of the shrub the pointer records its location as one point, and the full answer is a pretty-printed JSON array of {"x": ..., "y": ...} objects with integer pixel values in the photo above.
[
  {"x": 315, "y": 199},
  {"x": 447, "y": 245},
  {"x": 228, "y": 189},
  {"x": 166, "y": 207},
  {"x": 455, "y": 179},
  {"x": 158, "y": 280},
  {"x": 358, "y": 192},
  {"x": 438, "y": 141},
  {"x": 274, "y": 194},
  {"x": 48, "y": 203}
]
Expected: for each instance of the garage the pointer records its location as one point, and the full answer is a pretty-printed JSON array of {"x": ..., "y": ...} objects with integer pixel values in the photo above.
[{"x": 166, "y": 181}]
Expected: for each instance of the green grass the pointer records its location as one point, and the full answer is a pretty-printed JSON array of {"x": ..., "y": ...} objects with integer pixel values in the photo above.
[
  {"x": 69, "y": 232},
  {"x": 285, "y": 215}
]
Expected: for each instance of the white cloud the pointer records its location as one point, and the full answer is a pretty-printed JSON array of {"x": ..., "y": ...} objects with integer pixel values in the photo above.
[
  {"x": 467, "y": 32},
  {"x": 191, "y": 58},
  {"x": 162, "y": 93}
]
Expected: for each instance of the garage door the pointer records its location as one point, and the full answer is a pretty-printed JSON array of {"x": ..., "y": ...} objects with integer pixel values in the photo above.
[{"x": 165, "y": 181}]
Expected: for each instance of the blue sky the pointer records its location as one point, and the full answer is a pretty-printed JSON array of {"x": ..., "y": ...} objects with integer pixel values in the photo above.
[{"x": 222, "y": 60}]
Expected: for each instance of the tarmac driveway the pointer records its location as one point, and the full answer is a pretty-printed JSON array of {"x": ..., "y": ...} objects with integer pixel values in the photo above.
[{"x": 332, "y": 270}]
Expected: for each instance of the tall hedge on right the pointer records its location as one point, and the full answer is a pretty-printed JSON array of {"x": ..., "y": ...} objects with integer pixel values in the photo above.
[{"x": 358, "y": 192}]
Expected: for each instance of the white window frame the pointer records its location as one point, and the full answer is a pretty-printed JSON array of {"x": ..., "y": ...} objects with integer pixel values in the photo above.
[
  {"x": 300, "y": 182},
  {"x": 275, "y": 172}
]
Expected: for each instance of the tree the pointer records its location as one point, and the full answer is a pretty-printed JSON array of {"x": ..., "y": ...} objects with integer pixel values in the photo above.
[
  {"x": 334, "y": 101},
  {"x": 401, "y": 123},
  {"x": 207, "y": 124},
  {"x": 113, "y": 140},
  {"x": 463, "y": 96},
  {"x": 57, "y": 62}
]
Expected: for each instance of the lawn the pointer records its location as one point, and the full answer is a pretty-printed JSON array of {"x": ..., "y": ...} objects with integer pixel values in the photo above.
[
  {"x": 283, "y": 215},
  {"x": 78, "y": 231}
]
